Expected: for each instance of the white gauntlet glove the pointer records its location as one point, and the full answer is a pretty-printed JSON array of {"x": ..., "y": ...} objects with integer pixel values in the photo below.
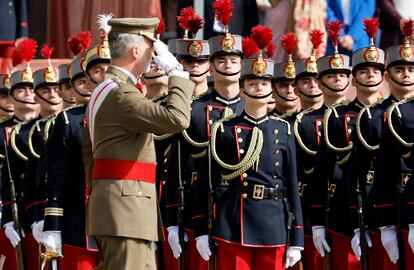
[
  {"x": 293, "y": 256},
  {"x": 164, "y": 57},
  {"x": 37, "y": 230},
  {"x": 390, "y": 242},
  {"x": 319, "y": 240},
  {"x": 203, "y": 247},
  {"x": 355, "y": 243},
  {"x": 174, "y": 241},
  {"x": 52, "y": 240},
  {"x": 11, "y": 233},
  {"x": 411, "y": 236}
]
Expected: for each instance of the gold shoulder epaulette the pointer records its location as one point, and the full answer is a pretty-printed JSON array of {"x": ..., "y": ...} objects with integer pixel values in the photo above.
[
  {"x": 326, "y": 117},
  {"x": 283, "y": 121},
  {"x": 298, "y": 120},
  {"x": 390, "y": 110}
]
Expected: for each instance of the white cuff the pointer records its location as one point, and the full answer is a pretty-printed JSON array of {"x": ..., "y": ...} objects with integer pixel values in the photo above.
[{"x": 179, "y": 73}]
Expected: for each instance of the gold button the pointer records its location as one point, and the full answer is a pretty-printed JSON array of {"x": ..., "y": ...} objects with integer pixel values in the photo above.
[
  {"x": 244, "y": 195},
  {"x": 276, "y": 141},
  {"x": 274, "y": 176},
  {"x": 277, "y": 152},
  {"x": 277, "y": 186},
  {"x": 349, "y": 131},
  {"x": 238, "y": 130},
  {"x": 210, "y": 108},
  {"x": 210, "y": 122},
  {"x": 241, "y": 151},
  {"x": 244, "y": 175},
  {"x": 318, "y": 123},
  {"x": 245, "y": 183},
  {"x": 277, "y": 164},
  {"x": 240, "y": 140},
  {"x": 319, "y": 133},
  {"x": 276, "y": 131},
  {"x": 348, "y": 118}
]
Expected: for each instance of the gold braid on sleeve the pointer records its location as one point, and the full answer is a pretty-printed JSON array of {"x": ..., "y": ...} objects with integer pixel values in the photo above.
[
  {"x": 390, "y": 110},
  {"x": 326, "y": 132}
]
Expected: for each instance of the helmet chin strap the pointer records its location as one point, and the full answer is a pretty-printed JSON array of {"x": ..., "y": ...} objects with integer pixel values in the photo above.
[
  {"x": 22, "y": 101},
  {"x": 257, "y": 97},
  {"x": 399, "y": 83},
  {"x": 198, "y": 75},
  {"x": 310, "y": 96},
  {"x": 155, "y": 77},
  {"x": 335, "y": 90},
  {"x": 5, "y": 110},
  {"x": 224, "y": 73},
  {"x": 80, "y": 94},
  {"x": 285, "y": 99},
  {"x": 48, "y": 101},
  {"x": 368, "y": 85},
  {"x": 68, "y": 102}
]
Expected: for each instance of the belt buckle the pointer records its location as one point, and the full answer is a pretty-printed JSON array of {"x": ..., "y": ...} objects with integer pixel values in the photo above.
[
  {"x": 370, "y": 177},
  {"x": 258, "y": 192},
  {"x": 194, "y": 176},
  {"x": 332, "y": 189},
  {"x": 301, "y": 189},
  {"x": 405, "y": 177}
]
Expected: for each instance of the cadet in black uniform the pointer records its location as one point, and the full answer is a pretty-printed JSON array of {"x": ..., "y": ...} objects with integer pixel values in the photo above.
[
  {"x": 391, "y": 194},
  {"x": 64, "y": 225},
  {"x": 66, "y": 89},
  {"x": 258, "y": 216}
]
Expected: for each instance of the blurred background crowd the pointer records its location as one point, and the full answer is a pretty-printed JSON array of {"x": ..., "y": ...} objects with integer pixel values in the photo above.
[{"x": 53, "y": 22}]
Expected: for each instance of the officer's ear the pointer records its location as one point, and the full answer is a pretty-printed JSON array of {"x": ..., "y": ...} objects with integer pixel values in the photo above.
[
  {"x": 353, "y": 81},
  {"x": 387, "y": 76},
  {"x": 295, "y": 89}
]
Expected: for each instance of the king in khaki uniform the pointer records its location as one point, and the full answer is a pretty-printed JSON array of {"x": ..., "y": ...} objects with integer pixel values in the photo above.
[
  {"x": 194, "y": 55},
  {"x": 21, "y": 83},
  {"x": 392, "y": 191},
  {"x": 64, "y": 215},
  {"x": 119, "y": 144},
  {"x": 258, "y": 192},
  {"x": 307, "y": 128}
]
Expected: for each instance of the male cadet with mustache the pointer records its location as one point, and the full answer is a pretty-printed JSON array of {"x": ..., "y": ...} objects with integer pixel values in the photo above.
[
  {"x": 308, "y": 130},
  {"x": 118, "y": 141},
  {"x": 258, "y": 219},
  {"x": 393, "y": 187},
  {"x": 182, "y": 167},
  {"x": 26, "y": 110},
  {"x": 6, "y": 101},
  {"x": 64, "y": 214},
  {"x": 286, "y": 100}
]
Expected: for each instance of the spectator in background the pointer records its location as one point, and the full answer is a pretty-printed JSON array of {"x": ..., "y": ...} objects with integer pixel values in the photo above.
[
  {"x": 350, "y": 13},
  {"x": 245, "y": 16},
  {"x": 390, "y": 14}
]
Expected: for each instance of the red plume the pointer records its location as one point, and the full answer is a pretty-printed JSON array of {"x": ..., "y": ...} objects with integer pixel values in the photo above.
[
  {"x": 74, "y": 45},
  {"x": 334, "y": 27},
  {"x": 46, "y": 51},
  {"x": 161, "y": 27},
  {"x": 371, "y": 26},
  {"x": 288, "y": 42},
  {"x": 16, "y": 57},
  {"x": 185, "y": 15},
  {"x": 270, "y": 50},
  {"x": 27, "y": 49},
  {"x": 249, "y": 47},
  {"x": 262, "y": 36},
  {"x": 224, "y": 10},
  {"x": 85, "y": 39},
  {"x": 195, "y": 23},
  {"x": 407, "y": 27},
  {"x": 316, "y": 37}
]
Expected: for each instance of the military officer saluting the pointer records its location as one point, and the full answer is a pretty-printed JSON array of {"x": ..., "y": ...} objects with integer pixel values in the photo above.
[
  {"x": 286, "y": 100},
  {"x": 21, "y": 89},
  {"x": 118, "y": 141},
  {"x": 307, "y": 128},
  {"x": 64, "y": 215},
  {"x": 391, "y": 194},
  {"x": 255, "y": 153}
]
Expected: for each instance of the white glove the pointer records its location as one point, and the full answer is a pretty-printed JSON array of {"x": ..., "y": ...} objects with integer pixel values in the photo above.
[
  {"x": 390, "y": 242},
  {"x": 203, "y": 247},
  {"x": 293, "y": 256},
  {"x": 411, "y": 236},
  {"x": 355, "y": 243},
  {"x": 174, "y": 241},
  {"x": 164, "y": 57},
  {"x": 52, "y": 240},
  {"x": 37, "y": 230},
  {"x": 319, "y": 240},
  {"x": 11, "y": 233}
]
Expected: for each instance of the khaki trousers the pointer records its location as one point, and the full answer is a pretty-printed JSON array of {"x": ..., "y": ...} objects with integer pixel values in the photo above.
[{"x": 125, "y": 253}]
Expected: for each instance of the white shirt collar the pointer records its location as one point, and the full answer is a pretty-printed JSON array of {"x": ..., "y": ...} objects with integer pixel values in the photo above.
[{"x": 127, "y": 72}]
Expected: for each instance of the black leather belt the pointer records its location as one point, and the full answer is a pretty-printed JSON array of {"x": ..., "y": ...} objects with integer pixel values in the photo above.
[{"x": 259, "y": 192}]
